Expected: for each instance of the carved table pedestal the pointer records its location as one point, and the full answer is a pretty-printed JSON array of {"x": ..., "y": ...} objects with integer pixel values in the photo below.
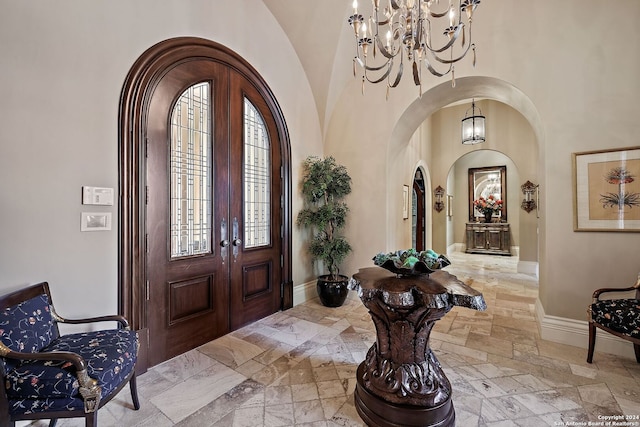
[{"x": 401, "y": 382}]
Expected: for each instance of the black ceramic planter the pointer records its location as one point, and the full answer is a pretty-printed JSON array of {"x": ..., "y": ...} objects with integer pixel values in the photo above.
[{"x": 332, "y": 293}]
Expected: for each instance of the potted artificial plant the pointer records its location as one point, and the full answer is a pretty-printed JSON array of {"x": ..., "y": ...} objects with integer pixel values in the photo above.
[{"x": 324, "y": 186}]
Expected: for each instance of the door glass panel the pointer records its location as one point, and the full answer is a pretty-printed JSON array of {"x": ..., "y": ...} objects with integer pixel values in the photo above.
[
  {"x": 257, "y": 179},
  {"x": 191, "y": 186}
]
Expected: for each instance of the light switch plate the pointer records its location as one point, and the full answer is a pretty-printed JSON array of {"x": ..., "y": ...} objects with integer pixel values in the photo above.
[
  {"x": 95, "y": 221},
  {"x": 102, "y": 196}
]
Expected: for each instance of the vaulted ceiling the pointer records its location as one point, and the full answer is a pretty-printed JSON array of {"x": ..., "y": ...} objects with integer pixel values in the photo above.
[{"x": 314, "y": 28}]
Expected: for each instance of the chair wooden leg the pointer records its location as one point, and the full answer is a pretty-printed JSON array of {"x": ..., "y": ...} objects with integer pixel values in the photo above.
[
  {"x": 636, "y": 348},
  {"x": 592, "y": 342},
  {"x": 5, "y": 418},
  {"x": 134, "y": 392},
  {"x": 91, "y": 420}
]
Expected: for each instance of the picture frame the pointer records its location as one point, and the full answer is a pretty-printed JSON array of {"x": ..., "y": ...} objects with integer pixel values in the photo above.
[
  {"x": 538, "y": 202},
  {"x": 485, "y": 181},
  {"x": 405, "y": 202},
  {"x": 606, "y": 190}
]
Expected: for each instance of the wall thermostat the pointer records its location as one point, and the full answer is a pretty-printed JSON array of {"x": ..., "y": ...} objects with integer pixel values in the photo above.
[{"x": 97, "y": 196}]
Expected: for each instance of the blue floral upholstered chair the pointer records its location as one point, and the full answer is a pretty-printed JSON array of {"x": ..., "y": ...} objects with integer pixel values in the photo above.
[
  {"x": 620, "y": 317},
  {"x": 48, "y": 376}
]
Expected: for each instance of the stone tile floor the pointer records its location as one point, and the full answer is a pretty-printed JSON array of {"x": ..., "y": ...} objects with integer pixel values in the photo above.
[{"x": 297, "y": 368}]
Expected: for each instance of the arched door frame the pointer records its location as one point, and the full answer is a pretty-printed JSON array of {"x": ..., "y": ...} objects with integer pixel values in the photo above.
[
  {"x": 444, "y": 94},
  {"x": 134, "y": 104}
]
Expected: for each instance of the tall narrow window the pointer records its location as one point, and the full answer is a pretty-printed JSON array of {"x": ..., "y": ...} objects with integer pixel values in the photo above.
[
  {"x": 191, "y": 184},
  {"x": 257, "y": 179}
]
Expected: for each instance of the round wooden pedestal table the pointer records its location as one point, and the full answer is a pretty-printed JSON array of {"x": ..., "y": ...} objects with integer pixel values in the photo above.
[{"x": 401, "y": 383}]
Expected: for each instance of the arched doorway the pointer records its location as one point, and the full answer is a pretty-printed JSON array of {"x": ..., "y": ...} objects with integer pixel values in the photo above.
[
  {"x": 204, "y": 247},
  {"x": 459, "y": 177},
  {"x": 409, "y": 125},
  {"x": 418, "y": 212}
]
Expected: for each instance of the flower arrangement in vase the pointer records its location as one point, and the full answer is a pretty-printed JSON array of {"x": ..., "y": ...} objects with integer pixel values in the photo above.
[{"x": 488, "y": 207}]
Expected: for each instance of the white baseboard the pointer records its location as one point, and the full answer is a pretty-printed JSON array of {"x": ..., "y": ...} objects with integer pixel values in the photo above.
[
  {"x": 576, "y": 333},
  {"x": 304, "y": 292},
  {"x": 528, "y": 267},
  {"x": 455, "y": 247}
]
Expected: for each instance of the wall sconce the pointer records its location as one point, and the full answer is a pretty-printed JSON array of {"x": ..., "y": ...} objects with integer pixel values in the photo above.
[
  {"x": 438, "y": 193},
  {"x": 528, "y": 189}
]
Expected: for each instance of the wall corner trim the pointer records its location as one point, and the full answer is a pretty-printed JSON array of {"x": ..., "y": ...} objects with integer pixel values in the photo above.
[
  {"x": 528, "y": 267},
  {"x": 304, "y": 292}
]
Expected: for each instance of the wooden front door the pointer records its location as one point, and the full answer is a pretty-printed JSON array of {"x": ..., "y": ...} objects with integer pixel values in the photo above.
[{"x": 213, "y": 210}]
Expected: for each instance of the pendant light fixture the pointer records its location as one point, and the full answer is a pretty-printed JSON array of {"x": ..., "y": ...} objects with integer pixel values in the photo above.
[{"x": 473, "y": 126}]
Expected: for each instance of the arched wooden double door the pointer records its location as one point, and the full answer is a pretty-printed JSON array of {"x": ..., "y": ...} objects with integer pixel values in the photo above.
[{"x": 212, "y": 216}]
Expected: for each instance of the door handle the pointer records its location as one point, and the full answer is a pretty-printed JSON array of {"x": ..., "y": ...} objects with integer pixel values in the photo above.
[
  {"x": 236, "y": 240},
  {"x": 224, "y": 242}
]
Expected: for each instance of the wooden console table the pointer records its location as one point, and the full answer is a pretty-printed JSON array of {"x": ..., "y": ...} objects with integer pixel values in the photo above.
[
  {"x": 401, "y": 383},
  {"x": 488, "y": 238}
]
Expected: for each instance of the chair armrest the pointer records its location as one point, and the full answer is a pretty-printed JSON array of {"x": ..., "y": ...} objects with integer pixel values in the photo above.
[
  {"x": 89, "y": 388},
  {"x": 598, "y": 292},
  {"x": 122, "y": 321},
  {"x": 77, "y": 360}
]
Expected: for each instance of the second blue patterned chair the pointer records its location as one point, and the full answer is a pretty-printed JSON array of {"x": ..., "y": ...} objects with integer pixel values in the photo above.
[
  {"x": 49, "y": 376},
  {"x": 620, "y": 317}
]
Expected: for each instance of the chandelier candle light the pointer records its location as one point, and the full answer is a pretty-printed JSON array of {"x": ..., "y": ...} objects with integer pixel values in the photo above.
[{"x": 407, "y": 30}]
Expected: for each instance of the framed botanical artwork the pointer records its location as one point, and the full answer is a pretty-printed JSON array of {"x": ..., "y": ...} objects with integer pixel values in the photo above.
[{"x": 606, "y": 194}]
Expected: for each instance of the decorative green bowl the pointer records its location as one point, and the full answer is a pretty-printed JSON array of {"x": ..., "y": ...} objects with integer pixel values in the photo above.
[{"x": 411, "y": 262}]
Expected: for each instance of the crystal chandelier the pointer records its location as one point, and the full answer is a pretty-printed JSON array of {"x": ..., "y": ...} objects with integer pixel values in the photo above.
[{"x": 408, "y": 30}]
